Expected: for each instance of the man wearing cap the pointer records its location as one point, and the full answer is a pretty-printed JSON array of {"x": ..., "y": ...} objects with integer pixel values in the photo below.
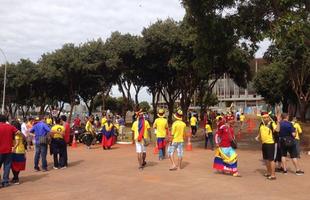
[
  {"x": 161, "y": 126},
  {"x": 267, "y": 129},
  {"x": 177, "y": 140},
  {"x": 40, "y": 131},
  {"x": 140, "y": 129}
]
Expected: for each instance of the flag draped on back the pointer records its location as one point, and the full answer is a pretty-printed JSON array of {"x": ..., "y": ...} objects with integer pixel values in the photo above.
[{"x": 141, "y": 128}]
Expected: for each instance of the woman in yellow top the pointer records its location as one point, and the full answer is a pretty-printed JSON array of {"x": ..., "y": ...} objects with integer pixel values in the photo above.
[
  {"x": 178, "y": 133},
  {"x": 58, "y": 144},
  {"x": 18, "y": 157},
  {"x": 161, "y": 126},
  {"x": 209, "y": 135}
]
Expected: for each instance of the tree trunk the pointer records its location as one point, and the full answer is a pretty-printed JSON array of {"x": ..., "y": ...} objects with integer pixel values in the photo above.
[
  {"x": 137, "y": 89},
  {"x": 303, "y": 106},
  {"x": 105, "y": 94},
  {"x": 61, "y": 108},
  {"x": 185, "y": 103},
  {"x": 170, "y": 110},
  {"x": 155, "y": 98},
  {"x": 91, "y": 107},
  {"x": 42, "y": 109},
  {"x": 71, "y": 110}
]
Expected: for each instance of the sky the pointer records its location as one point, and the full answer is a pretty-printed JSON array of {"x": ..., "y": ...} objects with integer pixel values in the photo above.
[{"x": 29, "y": 28}]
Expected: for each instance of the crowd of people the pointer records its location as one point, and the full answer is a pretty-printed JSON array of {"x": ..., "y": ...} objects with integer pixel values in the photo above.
[{"x": 278, "y": 136}]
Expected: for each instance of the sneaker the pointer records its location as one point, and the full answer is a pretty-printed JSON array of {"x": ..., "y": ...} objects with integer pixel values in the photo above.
[
  {"x": 37, "y": 169},
  {"x": 5, "y": 185},
  {"x": 299, "y": 172},
  {"x": 15, "y": 181},
  {"x": 271, "y": 178},
  {"x": 64, "y": 167},
  {"x": 55, "y": 168},
  {"x": 284, "y": 172},
  {"x": 279, "y": 169}
]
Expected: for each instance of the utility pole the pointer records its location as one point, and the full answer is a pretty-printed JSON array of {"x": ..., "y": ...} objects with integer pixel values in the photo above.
[{"x": 4, "y": 82}]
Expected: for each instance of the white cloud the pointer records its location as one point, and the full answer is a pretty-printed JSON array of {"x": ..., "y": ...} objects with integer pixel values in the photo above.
[{"x": 32, "y": 27}]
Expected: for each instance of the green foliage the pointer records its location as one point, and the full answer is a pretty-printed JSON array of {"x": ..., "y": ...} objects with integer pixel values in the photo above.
[
  {"x": 270, "y": 82},
  {"x": 145, "y": 106},
  {"x": 115, "y": 104}
]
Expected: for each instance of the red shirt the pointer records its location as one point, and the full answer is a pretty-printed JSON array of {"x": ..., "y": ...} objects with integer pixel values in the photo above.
[
  {"x": 7, "y": 133},
  {"x": 67, "y": 132},
  {"x": 77, "y": 122},
  {"x": 223, "y": 133}
]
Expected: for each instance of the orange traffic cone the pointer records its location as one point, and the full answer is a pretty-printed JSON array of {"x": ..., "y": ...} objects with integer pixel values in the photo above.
[
  {"x": 74, "y": 145},
  {"x": 155, "y": 151},
  {"x": 189, "y": 146}
]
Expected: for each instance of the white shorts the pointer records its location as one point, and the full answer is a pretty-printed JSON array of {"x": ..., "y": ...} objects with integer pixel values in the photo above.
[{"x": 140, "y": 148}]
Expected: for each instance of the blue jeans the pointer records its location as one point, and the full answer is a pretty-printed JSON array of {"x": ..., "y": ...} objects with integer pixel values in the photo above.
[
  {"x": 41, "y": 150},
  {"x": 6, "y": 160}
]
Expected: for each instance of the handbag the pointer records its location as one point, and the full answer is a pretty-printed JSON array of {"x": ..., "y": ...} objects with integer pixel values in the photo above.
[
  {"x": 288, "y": 141},
  {"x": 233, "y": 142},
  {"x": 146, "y": 142},
  {"x": 43, "y": 139}
]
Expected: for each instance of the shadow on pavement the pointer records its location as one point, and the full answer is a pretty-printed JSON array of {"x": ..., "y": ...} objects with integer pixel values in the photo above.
[
  {"x": 184, "y": 164},
  {"x": 74, "y": 163},
  {"x": 151, "y": 164},
  {"x": 33, "y": 178}
]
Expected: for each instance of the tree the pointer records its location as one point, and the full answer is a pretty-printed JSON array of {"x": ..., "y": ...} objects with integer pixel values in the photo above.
[
  {"x": 20, "y": 86},
  {"x": 270, "y": 82},
  {"x": 216, "y": 46},
  {"x": 95, "y": 77},
  {"x": 65, "y": 69},
  {"x": 123, "y": 56},
  {"x": 286, "y": 24},
  {"x": 161, "y": 46}
]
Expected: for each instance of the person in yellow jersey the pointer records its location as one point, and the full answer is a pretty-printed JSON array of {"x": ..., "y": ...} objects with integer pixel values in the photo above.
[
  {"x": 90, "y": 132},
  {"x": 242, "y": 119},
  {"x": 103, "y": 119},
  {"x": 267, "y": 130},
  {"x": 140, "y": 129},
  {"x": 177, "y": 140},
  {"x": 161, "y": 126},
  {"x": 49, "y": 121},
  {"x": 209, "y": 135},
  {"x": 193, "y": 122},
  {"x": 58, "y": 144},
  {"x": 18, "y": 157},
  {"x": 298, "y": 132}
]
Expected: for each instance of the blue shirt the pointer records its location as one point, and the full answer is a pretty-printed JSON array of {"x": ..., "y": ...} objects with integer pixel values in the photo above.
[
  {"x": 40, "y": 129},
  {"x": 286, "y": 129},
  {"x": 121, "y": 122}
]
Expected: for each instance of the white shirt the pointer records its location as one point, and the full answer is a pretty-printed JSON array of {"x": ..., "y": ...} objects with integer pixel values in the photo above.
[{"x": 24, "y": 129}]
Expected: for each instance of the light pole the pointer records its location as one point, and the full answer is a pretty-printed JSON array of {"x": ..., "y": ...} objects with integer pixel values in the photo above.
[{"x": 4, "y": 81}]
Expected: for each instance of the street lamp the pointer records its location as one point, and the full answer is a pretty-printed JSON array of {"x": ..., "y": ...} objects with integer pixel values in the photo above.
[{"x": 4, "y": 81}]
